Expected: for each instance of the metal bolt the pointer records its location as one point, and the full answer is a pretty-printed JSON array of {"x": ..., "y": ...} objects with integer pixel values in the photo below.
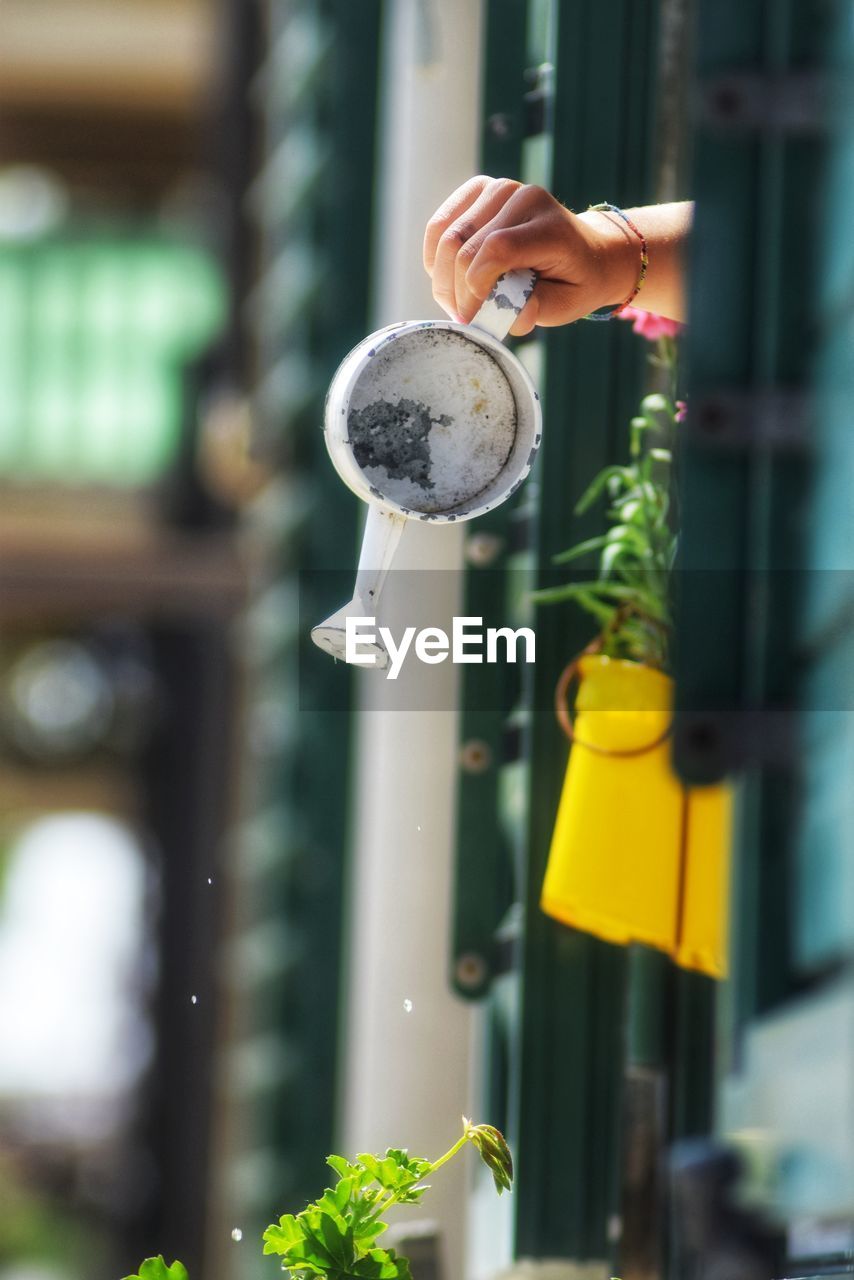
[
  {"x": 471, "y": 971},
  {"x": 712, "y": 417},
  {"x": 702, "y": 736},
  {"x": 475, "y": 756},
  {"x": 483, "y": 549},
  {"x": 726, "y": 101},
  {"x": 500, "y": 125}
]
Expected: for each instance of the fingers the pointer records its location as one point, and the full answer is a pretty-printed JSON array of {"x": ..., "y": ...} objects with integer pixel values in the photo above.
[
  {"x": 451, "y": 228},
  {"x": 490, "y": 226},
  {"x": 498, "y": 211},
  {"x": 456, "y": 204},
  {"x": 531, "y": 230}
]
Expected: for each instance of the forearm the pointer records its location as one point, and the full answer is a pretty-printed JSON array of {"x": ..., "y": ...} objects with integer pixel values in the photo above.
[{"x": 666, "y": 228}]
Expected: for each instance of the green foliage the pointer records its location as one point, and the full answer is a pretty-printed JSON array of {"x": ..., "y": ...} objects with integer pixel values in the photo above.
[
  {"x": 629, "y": 597},
  {"x": 156, "y": 1269},
  {"x": 335, "y": 1237}
]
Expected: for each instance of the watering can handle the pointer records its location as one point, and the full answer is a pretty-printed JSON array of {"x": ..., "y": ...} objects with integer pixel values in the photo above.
[{"x": 509, "y": 295}]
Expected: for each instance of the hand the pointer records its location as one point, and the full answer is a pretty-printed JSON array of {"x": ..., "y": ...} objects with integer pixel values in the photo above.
[{"x": 492, "y": 225}]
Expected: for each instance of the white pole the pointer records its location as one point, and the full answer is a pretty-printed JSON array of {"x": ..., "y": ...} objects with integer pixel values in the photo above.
[{"x": 407, "y": 1071}]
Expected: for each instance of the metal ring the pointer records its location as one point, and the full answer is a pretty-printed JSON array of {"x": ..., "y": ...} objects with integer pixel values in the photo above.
[{"x": 564, "y": 719}]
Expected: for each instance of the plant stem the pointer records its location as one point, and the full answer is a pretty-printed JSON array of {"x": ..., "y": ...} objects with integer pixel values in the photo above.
[
  {"x": 437, "y": 1164},
  {"x": 458, "y": 1145}
]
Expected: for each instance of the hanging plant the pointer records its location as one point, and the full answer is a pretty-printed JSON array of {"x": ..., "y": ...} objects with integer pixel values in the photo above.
[
  {"x": 629, "y": 597},
  {"x": 635, "y": 856}
]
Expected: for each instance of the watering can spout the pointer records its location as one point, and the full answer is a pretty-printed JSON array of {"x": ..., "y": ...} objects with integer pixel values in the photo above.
[
  {"x": 383, "y": 531},
  {"x": 331, "y": 635}
]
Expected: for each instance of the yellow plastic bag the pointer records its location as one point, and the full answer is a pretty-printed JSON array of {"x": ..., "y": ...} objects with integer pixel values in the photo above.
[{"x": 636, "y": 856}]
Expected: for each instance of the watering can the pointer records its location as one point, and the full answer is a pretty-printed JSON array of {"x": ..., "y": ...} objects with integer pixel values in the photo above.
[{"x": 430, "y": 421}]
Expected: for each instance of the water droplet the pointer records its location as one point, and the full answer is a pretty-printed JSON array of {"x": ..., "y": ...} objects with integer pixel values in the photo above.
[
  {"x": 194, "y": 999},
  {"x": 407, "y": 1006},
  {"x": 210, "y": 880},
  {"x": 418, "y": 828},
  {"x": 237, "y": 1235}
]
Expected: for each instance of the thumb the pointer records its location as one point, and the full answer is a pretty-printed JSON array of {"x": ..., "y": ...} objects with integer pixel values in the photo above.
[
  {"x": 559, "y": 303},
  {"x": 527, "y": 317}
]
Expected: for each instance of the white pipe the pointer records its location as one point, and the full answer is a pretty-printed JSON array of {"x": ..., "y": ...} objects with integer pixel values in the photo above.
[{"x": 406, "y": 1074}]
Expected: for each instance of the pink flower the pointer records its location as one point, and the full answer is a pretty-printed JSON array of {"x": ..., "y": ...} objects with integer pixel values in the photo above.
[
  {"x": 650, "y": 326},
  {"x": 681, "y": 411}
]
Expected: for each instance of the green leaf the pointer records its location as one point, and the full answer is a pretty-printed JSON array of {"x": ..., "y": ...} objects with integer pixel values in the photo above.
[
  {"x": 380, "y": 1264},
  {"x": 392, "y": 1174},
  {"x": 371, "y": 1163},
  {"x": 305, "y": 1257},
  {"x": 282, "y": 1236},
  {"x": 629, "y": 509},
  {"x": 396, "y": 1172},
  {"x": 645, "y": 601},
  {"x": 597, "y": 486},
  {"x": 612, "y": 555},
  {"x": 156, "y": 1269},
  {"x": 630, "y": 535},
  {"x": 414, "y": 1194},
  {"x": 315, "y": 1229},
  {"x": 335, "y": 1199},
  {"x": 583, "y": 593},
  {"x": 300, "y": 1242},
  {"x": 338, "y": 1240},
  {"x": 580, "y": 549},
  {"x": 366, "y": 1231},
  {"x": 413, "y": 1165},
  {"x": 655, "y": 403}
]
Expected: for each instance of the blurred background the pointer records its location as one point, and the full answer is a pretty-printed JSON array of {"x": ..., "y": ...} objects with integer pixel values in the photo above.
[{"x": 251, "y": 911}]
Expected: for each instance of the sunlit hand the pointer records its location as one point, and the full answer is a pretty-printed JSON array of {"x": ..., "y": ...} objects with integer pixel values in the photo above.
[
  {"x": 583, "y": 261},
  {"x": 492, "y": 225}
]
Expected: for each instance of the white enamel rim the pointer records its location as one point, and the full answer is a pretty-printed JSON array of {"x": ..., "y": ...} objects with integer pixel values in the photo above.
[{"x": 529, "y": 429}]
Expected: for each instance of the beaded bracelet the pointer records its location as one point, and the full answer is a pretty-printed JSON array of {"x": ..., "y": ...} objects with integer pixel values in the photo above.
[{"x": 615, "y": 311}]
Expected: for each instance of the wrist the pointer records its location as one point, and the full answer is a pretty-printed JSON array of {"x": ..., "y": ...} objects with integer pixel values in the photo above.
[{"x": 618, "y": 255}]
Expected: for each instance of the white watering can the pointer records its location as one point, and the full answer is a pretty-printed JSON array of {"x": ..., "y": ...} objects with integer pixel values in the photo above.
[{"x": 428, "y": 420}]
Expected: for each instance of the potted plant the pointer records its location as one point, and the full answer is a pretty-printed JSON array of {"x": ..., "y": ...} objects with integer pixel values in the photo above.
[
  {"x": 635, "y": 855},
  {"x": 335, "y": 1237}
]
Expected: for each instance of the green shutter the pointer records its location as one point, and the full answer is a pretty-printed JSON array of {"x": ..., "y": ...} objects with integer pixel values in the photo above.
[
  {"x": 764, "y": 677},
  {"x": 312, "y": 200},
  {"x": 555, "y": 999}
]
